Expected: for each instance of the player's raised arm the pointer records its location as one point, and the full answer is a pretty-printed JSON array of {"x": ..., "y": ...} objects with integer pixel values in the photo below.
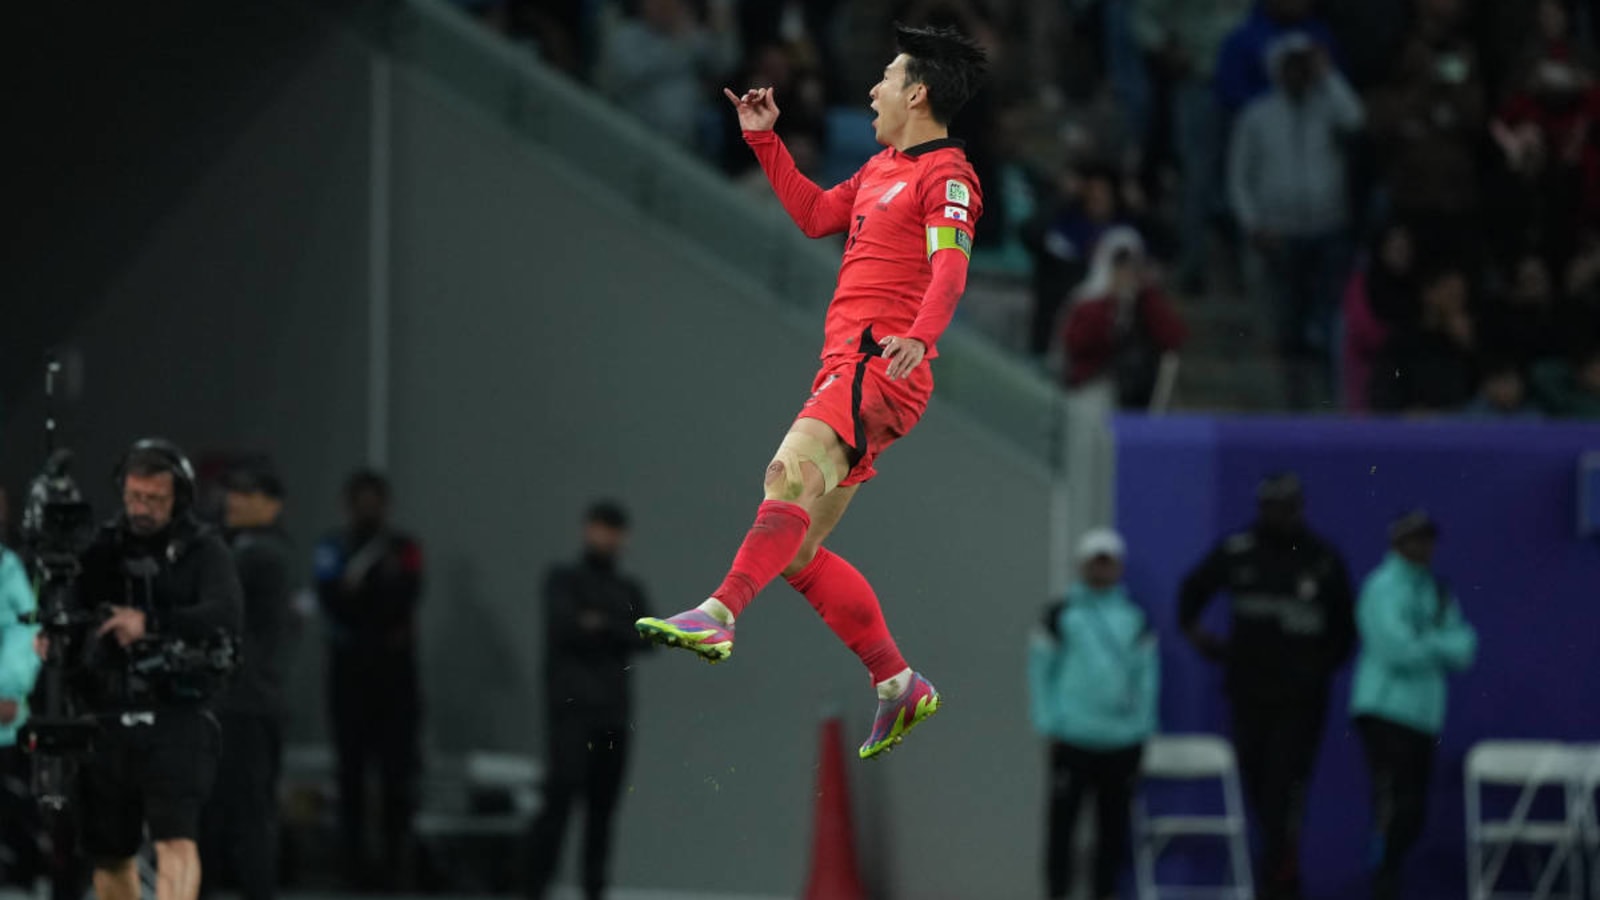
[{"x": 816, "y": 211}]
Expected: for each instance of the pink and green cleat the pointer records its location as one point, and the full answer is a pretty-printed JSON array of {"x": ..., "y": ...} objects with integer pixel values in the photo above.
[
  {"x": 693, "y": 630},
  {"x": 896, "y": 717}
]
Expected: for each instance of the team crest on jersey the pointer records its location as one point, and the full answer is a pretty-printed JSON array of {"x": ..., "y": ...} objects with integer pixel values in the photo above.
[
  {"x": 956, "y": 192},
  {"x": 890, "y": 194},
  {"x": 956, "y": 213}
]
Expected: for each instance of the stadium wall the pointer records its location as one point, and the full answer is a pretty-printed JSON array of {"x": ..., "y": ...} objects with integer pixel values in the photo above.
[{"x": 1505, "y": 496}]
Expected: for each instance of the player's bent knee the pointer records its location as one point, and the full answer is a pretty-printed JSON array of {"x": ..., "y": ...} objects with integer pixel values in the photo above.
[{"x": 786, "y": 473}]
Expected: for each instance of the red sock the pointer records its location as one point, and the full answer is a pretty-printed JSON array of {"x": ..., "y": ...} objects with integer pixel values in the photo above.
[
  {"x": 770, "y": 544},
  {"x": 844, "y": 599}
]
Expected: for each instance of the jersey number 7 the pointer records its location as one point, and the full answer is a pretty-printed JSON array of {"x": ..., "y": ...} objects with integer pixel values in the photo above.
[{"x": 860, "y": 221}]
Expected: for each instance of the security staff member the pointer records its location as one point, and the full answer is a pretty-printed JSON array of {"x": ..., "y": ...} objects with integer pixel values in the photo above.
[
  {"x": 590, "y": 608},
  {"x": 1412, "y": 636},
  {"x": 164, "y": 575},
  {"x": 240, "y": 835},
  {"x": 1292, "y": 628},
  {"x": 369, "y": 584}
]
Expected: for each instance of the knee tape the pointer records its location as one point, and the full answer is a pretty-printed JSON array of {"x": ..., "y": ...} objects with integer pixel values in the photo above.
[{"x": 800, "y": 448}]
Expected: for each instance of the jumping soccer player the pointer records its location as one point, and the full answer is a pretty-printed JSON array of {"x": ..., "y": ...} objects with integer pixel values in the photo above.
[{"x": 909, "y": 213}]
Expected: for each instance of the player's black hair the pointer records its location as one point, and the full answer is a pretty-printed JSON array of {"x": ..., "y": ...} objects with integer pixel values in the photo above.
[{"x": 948, "y": 62}]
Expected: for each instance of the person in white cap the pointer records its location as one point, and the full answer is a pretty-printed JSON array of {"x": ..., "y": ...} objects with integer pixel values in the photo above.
[{"x": 1093, "y": 676}]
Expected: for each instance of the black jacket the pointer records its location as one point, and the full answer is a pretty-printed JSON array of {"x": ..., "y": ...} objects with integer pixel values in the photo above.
[
  {"x": 1293, "y": 620},
  {"x": 370, "y": 588},
  {"x": 589, "y": 613},
  {"x": 182, "y": 578},
  {"x": 262, "y": 556}
]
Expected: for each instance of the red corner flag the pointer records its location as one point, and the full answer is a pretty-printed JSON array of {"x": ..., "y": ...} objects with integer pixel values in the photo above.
[{"x": 834, "y": 872}]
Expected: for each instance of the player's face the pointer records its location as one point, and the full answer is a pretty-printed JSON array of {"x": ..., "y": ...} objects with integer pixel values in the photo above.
[{"x": 889, "y": 100}]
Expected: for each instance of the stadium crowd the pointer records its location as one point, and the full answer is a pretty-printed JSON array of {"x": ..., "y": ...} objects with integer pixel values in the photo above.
[{"x": 1408, "y": 192}]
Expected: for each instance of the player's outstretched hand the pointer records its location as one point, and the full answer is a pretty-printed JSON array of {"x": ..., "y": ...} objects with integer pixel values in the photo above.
[
  {"x": 758, "y": 111},
  {"x": 903, "y": 354}
]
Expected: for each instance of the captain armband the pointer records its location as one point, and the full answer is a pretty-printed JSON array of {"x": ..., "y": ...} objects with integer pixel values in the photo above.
[{"x": 946, "y": 237}]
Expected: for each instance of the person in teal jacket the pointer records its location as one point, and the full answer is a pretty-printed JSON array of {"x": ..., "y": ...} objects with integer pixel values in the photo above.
[
  {"x": 1092, "y": 678},
  {"x": 19, "y": 663},
  {"x": 1412, "y": 636}
]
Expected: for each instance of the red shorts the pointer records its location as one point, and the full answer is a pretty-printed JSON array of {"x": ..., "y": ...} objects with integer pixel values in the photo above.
[{"x": 854, "y": 396}]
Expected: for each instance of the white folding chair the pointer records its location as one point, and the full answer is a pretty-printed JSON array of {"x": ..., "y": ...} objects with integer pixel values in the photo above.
[
  {"x": 1551, "y": 845},
  {"x": 451, "y": 786},
  {"x": 1589, "y": 809},
  {"x": 1192, "y": 758}
]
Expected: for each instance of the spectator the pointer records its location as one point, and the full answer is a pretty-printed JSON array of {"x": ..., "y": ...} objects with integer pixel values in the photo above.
[
  {"x": 1570, "y": 390},
  {"x": 1428, "y": 122},
  {"x": 239, "y": 828},
  {"x": 590, "y": 608},
  {"x": 1184, "y": 38},
  {"x": 1381, "y": 289},
  {"x": 1063, "y": 238},
  {"x": 1412, "y": 636},
  {"x": 1581, "y": 278},
  {"x": 1544, "y": 130},
  {"x": 1429, "y": 367},
  {"x": 1093, "y": 674},
  {"x": 1242, "y": 75},
  {"x": 658, "y": 66},
  {"x": 1120, "y": 323},
  {"x": 1393, "y": 280},
  {"x": 1502, "y": 393},
  {"x": 369, "y": 583},
  {"x": 1523, "y": 321},
  {"x": 19, "y": 665},
  {"x": 1292, "y": 628},
  {"x": 1286, "y": 172}
]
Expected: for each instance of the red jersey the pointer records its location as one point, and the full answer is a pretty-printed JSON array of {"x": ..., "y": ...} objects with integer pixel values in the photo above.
[{"x": 901, "y": 210}]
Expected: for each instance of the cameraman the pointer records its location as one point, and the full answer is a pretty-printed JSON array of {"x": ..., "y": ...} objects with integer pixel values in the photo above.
[{"x": 165, "y": 576}]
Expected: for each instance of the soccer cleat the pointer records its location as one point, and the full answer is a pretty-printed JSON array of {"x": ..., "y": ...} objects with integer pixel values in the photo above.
[
  {"x": 696, "y": 631},
  {"x": 896, "y": 717}
]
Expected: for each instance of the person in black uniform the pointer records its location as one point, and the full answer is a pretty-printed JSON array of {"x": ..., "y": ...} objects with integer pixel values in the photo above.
[
  {"x": 163, "y": 576},
  {"x": 590, "y": 608},
  {"x": 369, "y": 584},
  {"x": 1292, "y": 627},
  {"x": 239, "y": 833}
]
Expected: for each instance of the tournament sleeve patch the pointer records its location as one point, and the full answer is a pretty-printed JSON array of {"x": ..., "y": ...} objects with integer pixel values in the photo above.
[
  {"x": 956, "y": 192},
  {"x": 944, "y": 237},
  {"x": 955, "y": 212}
]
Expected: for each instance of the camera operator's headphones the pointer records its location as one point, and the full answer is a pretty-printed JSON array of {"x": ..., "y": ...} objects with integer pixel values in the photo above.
[{"x": 183, "y": 480}]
